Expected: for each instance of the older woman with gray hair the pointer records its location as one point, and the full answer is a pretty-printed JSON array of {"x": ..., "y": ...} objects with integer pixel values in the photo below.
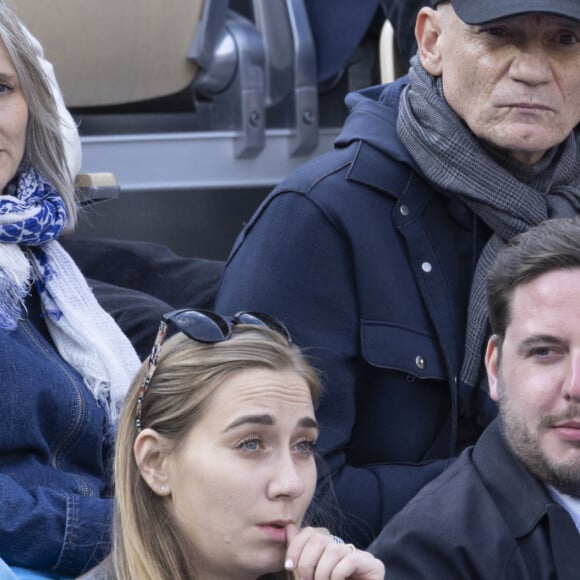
[{"x": 64, "y": 364}]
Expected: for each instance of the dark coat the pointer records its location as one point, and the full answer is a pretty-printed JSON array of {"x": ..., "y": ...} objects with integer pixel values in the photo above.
[
  {"x": 337, "y": 29},
  {"x": 370, "y": 269},
  {"x": 486, "y": 518}
]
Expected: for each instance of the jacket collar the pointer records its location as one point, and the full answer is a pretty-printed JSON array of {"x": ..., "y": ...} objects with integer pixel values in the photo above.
[
  {"x": 371, "y": 125},
  {"x": 373, "y": 119},
  {"x": 525, "y": 500}
]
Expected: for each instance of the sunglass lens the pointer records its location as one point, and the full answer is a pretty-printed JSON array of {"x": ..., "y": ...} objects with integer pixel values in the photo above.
[
  {"x": 201, "y": 325},
  {"x": 261, "y": 319}
]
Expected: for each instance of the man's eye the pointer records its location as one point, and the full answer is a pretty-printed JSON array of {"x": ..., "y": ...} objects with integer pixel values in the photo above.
[
  {"x": 544, "y": 352},
  {"x": 496, "y": 31},
  {"x": 567, "y": 38}
]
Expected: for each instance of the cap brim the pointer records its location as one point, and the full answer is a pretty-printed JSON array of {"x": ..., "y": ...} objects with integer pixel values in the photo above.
[{"x": 473, "y": 12}]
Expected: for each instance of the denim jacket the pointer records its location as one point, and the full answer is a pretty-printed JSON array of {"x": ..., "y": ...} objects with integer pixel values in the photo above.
[{"x": 55, "y": 454}]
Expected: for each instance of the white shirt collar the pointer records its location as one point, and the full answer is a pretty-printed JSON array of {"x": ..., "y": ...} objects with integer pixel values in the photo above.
[{"x": 570, "y": 503}]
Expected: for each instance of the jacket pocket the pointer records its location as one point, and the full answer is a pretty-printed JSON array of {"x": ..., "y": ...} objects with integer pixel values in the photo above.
[{"x": 396, "y": 347}]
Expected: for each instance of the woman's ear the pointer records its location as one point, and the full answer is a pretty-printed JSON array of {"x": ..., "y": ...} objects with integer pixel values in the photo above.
[
  {"x": 151, "y": 453},
  {"x": 428, "y": 32},
  {"x": 492, "y": 354}
]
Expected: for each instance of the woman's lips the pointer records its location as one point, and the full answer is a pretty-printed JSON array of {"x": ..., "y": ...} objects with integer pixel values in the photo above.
[{"x": 275, "y": 531}]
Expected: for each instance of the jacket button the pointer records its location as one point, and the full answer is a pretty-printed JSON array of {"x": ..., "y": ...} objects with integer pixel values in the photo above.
[
  {"x": 404, "y": 209},
  {"x": 420, "y": 362},
  {"x": 426, "y": 267}
]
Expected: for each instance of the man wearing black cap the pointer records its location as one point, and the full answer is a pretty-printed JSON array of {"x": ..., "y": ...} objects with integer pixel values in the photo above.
[
  {"x": 375, "y": 254},
  {"x": 509, "y": 507}
]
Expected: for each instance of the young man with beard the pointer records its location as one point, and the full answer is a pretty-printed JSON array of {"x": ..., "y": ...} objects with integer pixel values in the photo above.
[{"x": 509, "y": 507}]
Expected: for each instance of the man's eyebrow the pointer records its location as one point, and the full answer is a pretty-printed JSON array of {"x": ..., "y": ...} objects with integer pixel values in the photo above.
[
  {"x": 306, "y": 422},
  {"x": 539, "y": 339},
  {"x": 566, "y": 22}
]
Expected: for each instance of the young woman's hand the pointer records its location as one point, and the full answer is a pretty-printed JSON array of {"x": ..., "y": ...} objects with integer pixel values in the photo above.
[{"x": 315, "y": 555}]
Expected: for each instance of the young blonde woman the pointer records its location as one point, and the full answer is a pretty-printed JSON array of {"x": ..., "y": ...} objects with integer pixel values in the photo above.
[{"x": 214, "y": 464}]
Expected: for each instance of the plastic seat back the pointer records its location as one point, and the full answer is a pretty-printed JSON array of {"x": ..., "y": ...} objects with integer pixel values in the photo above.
[{"x": 108, "y": 52}]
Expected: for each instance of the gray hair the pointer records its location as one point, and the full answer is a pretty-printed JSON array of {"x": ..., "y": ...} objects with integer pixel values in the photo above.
[{"x": 44, "y": 149}]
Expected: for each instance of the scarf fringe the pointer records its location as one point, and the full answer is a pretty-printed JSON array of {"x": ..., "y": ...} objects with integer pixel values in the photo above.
[
  {"x": 32, "y": 216},
  {"x": 8, "y": 315},
  {"x": 15, "y": 273}
]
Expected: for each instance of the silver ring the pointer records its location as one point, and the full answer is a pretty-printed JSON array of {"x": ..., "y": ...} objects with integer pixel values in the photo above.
[{"x": 337, "y": 540}]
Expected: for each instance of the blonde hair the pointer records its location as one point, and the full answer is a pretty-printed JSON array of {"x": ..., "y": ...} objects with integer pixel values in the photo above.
[
  {"x": 147, "y": 544},
  {"x": 44, "y": 149}
]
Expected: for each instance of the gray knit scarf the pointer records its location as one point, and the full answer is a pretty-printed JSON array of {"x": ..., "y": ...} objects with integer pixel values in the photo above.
[{"x": 455, "y": 162}]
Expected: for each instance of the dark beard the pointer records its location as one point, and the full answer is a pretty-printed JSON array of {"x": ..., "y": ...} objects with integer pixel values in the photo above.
[{"x": 525, "y": 446}]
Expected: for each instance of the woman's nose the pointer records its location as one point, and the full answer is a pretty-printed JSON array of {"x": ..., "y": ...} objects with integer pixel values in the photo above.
[{"x": 287, "y": 479}]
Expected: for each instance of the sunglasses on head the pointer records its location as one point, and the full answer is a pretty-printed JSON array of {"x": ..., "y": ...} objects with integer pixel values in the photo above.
[{"x": 202, "y": 326}]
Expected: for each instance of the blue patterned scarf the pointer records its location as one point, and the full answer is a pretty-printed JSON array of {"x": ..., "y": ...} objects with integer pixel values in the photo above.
[{"x": 32, "y": 213}]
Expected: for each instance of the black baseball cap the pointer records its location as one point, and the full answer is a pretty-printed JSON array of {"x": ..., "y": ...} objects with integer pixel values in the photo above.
[{"x": 481, "y": 11}]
